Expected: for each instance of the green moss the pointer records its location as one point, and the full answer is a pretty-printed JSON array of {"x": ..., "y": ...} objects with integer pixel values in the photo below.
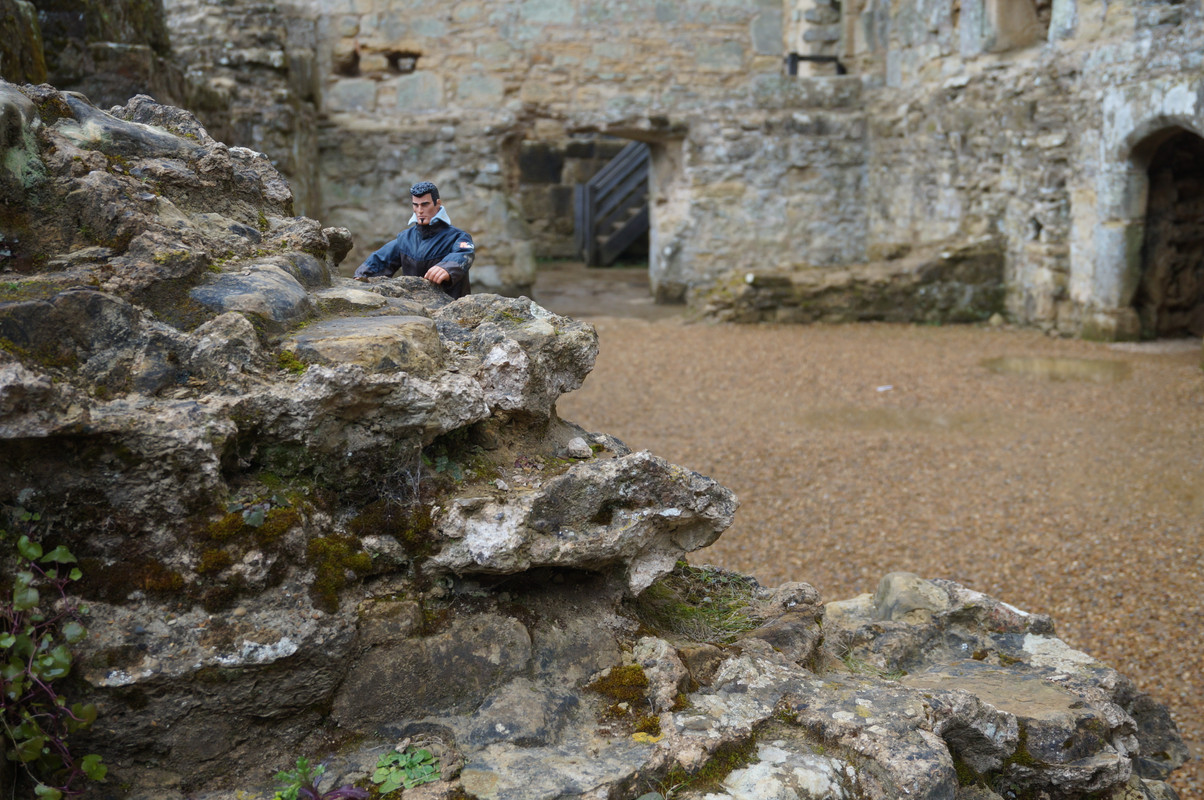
[
  {"x": 288, "y": 361},
  {"x": 112, "y": 583},
  {"x": 728, "y": 757},
  {"x": 626, "y": 688},
  {"x": 623, "y": 684},
  {"x": 276, "y": 523},
  {"x": 263, "y": 222},
  {"x": 213, "y": 561},
  {"x": 54, "y": 355},
  {"x": 172, "y": 256},
  {"x": 226, "y": 528},
  {"x": 649, "y": 724},
  {"x": 966, "y": 776},
  {"x": 411, "y": 525},
  {"x": 332, "y": 558},
  {"x": 1021, "y": 756}
]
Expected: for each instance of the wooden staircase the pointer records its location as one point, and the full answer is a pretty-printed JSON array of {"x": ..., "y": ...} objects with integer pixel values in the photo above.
[{"x": 610, "y": 211}]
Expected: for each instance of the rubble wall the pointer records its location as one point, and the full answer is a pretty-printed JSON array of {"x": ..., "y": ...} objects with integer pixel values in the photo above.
[{"x": 1042, "y": 146}]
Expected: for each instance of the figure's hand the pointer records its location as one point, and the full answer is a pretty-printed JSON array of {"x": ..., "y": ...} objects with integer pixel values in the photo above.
[
  {"x": 437, "y": 274},
  {"x": 361, "y": 278}
]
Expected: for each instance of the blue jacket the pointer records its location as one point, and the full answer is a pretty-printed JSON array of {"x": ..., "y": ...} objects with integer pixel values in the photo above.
[{"x": 420, "y": 247}]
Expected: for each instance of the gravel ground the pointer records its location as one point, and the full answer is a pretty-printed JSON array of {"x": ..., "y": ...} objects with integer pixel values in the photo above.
[{"x": 1068, "y": 480}]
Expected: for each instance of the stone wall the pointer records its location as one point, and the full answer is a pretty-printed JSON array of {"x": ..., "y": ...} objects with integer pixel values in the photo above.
[
  {"x": 1025, "y": 124},
  {"x": 1039, "y": 145},
  {"x": 472, "y": 96},
  {"x": 254, "y": 65}
]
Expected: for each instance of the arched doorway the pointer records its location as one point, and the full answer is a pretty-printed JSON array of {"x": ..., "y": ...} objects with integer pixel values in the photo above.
[{"x": 1169, "y": 300}]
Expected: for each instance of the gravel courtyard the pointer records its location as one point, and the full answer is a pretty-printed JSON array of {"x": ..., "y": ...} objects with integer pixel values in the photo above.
[{"x": 1065, "y": 477}]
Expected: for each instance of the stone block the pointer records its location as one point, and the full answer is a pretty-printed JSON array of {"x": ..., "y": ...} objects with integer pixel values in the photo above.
[
  {"x": 561, "y": 12},
  {"x": 429, "y": 26},
  {"x": 497, "y": 55},
  {"x": 720, "y": 56},
  {"x": 468, "y": 12},
  {"x": 483, "y": 91},
  {"x": 351, "y": 94},
  {"x": 766, "y": 33},
  {"x": 419, "y": 91}
]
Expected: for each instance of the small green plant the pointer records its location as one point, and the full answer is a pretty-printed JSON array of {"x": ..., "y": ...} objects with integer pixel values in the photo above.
[
  {"x": 859, "y": 666},
  {"x": 38, "y": 624},
  {"x": 407, "y": 769},
  {"x": 704, "y": 604},
  {"x": 302, "y": 784}
]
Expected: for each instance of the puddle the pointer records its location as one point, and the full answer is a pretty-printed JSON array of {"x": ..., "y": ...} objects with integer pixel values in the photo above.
[{"x": 1092, "y": 370}]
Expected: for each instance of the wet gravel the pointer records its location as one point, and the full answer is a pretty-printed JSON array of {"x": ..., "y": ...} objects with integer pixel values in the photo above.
[{"x": 1006, "y": 460}]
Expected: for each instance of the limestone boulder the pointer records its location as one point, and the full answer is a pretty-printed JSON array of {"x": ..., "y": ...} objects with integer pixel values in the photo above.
[
  {"x": 378, "y": 343},
  {"x": 637, "y": 511},
  {"x": 524, "y": 356}
]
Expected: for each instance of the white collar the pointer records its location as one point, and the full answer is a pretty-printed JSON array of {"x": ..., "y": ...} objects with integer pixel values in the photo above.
[{"x": 441, "y": 215}]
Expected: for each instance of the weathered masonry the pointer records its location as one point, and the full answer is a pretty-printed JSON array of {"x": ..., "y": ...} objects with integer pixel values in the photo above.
[{"x": 931, "y": 159}]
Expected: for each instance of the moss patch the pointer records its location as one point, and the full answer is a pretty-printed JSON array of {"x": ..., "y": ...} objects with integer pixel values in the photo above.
[
  {"x": 288, "y": 361},
  {"x": 333, "y": 558},
  {"x": 709, "y": 777},
  {"x": 112, "y": 583},
  {"x": 411, "y": 525}
]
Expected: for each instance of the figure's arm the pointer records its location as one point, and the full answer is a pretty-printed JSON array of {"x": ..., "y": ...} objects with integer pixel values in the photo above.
[
  {"x": 381, "y": 263},
  {"x": 454, "y": 266}
]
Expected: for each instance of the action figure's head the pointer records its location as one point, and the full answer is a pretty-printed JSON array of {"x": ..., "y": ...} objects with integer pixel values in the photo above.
[{"x": 426, "y": 201}]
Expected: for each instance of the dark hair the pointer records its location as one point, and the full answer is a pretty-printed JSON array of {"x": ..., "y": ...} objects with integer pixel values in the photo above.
[{"x": 426, "y": 187}]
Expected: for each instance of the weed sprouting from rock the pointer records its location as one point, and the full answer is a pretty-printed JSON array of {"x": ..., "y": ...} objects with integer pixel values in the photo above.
[
  {"x": 406, "y": 769},
  {"x": 703, "y": 604},
  {"x": 302, "y": 784},
  {"x": 38, "y": 624}
]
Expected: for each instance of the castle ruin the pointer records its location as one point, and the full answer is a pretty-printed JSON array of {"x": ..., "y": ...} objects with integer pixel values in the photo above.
[{"x": 918, "y": 160}]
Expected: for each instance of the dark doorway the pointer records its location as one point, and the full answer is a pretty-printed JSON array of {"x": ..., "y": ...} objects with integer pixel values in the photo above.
[{"x": 1170, "y": 297}]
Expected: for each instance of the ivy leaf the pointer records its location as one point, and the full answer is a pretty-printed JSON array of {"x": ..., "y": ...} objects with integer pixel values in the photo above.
[
  {"x": 29, "y": 550},
  {"x": 74, "y": 632},
  {"x": 47, "y": 792},
  {"x": 23, "y": 647},
  {"x": 94, "y": 767},
  {"x": 24, "y": 598},
  {"x": 75, "y": 575},
  {"x": 85, "y": 713},
  {"x": 254, "y": 517},
  {"x": 59, "y": 662},
  {"x": 30, "y": 749},
  {"x": 59, "y": 555}
]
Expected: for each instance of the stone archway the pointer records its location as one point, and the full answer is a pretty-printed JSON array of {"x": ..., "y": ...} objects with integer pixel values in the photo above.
[{"x": 1169, "y": 300}]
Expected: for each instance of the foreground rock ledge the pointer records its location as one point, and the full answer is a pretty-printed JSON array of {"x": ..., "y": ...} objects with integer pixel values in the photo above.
[{"x": 318, "y": 517}]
